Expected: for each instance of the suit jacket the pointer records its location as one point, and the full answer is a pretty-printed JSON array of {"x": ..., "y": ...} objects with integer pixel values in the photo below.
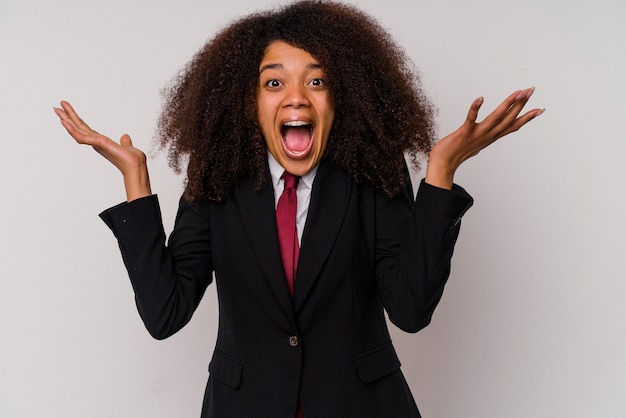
[{"x": 328, "y": 347}]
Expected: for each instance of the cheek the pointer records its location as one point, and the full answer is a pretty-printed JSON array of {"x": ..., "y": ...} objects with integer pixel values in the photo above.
[
  {"x": 265, "y": 114},
  {"x": 329, "y": 120},
  {"x": 328, "y": 113},
  {"x": 264, "y": 122}
]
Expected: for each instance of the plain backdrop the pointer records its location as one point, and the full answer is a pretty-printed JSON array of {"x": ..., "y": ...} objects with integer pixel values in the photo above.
[{"x": 532, "y": 322}]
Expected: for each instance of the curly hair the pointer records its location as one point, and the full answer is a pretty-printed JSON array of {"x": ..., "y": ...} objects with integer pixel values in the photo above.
[{"x": 210, "y": 119}]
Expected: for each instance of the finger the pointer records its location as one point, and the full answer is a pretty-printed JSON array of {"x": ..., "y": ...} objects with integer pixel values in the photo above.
[
  {"x": 77, "y": 129},
  {"x": 66, "y": 122},
  {"x": 125, "y": 141},
  {"x": 521, "y": 121},
  {"x": 73, "y": 116},
  {"x": 520, "y": 101},
  {"x": 60, "y": 113},
  {"x": 504, "y": 117},
  {"x": 516, "y": 97},
  {"x": 79, "y": 135},
  {"x": 470, "y": 121},
  {"x": 472, "y": 114},
  {"x": 512, "y": 121}
]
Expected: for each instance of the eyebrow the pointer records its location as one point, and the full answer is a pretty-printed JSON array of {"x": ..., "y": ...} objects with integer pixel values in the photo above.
[{"x": 311, "y": 66}]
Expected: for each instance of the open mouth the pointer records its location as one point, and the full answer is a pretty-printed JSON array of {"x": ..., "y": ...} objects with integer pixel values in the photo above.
[{"x": 297, "y": 138}]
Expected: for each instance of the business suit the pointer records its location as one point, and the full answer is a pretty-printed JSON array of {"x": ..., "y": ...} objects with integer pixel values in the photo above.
[{"x": 328, "y": 347}]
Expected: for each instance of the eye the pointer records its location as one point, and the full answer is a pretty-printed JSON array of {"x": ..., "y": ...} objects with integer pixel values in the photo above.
[
  {"x": 273, "y": 83},
  {"x": 317, "y": 82}
]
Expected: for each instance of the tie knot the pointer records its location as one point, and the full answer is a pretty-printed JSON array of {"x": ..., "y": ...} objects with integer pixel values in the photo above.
[{"x": 291, "y": 181}]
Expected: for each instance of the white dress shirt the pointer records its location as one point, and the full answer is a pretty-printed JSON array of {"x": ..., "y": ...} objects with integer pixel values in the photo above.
[{"x": 305, "y": 186}]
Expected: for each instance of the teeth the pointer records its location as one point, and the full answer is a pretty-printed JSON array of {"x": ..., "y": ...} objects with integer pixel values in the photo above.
[{"x": 296, "y": 123}]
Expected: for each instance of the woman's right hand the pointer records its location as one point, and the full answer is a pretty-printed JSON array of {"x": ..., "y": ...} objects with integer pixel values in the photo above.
[{"x": 129, "y": 160}]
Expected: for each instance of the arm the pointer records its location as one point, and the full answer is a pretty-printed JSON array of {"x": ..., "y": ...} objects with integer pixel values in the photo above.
[
  {"x": 169, "y": 281},
  {"x": 129, "y": 160},
  {"x": 415, "y": 242},
  {"x": 414, "y": 246}
]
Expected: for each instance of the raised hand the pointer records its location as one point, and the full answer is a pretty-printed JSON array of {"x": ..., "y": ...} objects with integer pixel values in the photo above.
[
  {"x": 472, "y": 137},
  {"x": 129, "y": 160}
]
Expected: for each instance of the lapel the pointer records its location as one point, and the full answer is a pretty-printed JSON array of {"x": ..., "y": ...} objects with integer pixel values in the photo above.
[
  {"x": 329, "y": 202},
  {"x": 258, "y": 218}
]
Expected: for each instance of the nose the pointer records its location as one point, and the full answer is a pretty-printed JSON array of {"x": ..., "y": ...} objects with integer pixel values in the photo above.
[{"x": 296, "y": 96}]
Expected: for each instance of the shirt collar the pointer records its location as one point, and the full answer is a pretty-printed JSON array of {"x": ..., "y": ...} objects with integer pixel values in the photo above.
[{"x": 276, "y": 171}]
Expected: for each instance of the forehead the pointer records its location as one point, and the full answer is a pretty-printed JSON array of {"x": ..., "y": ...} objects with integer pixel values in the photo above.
[{"x": 279, "y": 54}]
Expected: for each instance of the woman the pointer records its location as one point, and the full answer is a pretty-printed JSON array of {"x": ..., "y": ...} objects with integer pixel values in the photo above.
[{"x": 318, "y": 95}]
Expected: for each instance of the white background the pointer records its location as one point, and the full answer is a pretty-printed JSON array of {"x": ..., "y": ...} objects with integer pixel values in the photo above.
[{"x": 532, "y": 323}]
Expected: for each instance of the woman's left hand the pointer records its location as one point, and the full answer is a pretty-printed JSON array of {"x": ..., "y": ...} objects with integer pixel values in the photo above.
[{"x": 472, "y": 137}]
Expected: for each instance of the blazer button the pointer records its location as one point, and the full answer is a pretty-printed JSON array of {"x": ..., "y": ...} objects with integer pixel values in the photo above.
[{"x": 293, "y": 341}]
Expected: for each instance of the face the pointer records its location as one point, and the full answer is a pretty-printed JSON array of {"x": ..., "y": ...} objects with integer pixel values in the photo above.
[{"x": 295, "y": 111}]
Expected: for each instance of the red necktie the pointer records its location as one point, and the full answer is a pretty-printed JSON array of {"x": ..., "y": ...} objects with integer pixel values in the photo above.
[
  {"x": 286, "y": 225},
  {"x": 286, "y": 211}
]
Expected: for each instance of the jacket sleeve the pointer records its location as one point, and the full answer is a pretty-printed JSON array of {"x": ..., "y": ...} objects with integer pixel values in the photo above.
[
  {"x": 414, "y": 246},
  {"x": 168, "y": 281}
]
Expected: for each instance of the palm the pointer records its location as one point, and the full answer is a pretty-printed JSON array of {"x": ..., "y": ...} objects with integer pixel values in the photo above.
[
  {"x": 123, "y": 155},
  {"x": 128, "y": 159},
  {"x": 472, "y": 137}
]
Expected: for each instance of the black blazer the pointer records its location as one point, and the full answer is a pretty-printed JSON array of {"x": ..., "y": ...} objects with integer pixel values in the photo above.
[{"x": 329, "y": 347}]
